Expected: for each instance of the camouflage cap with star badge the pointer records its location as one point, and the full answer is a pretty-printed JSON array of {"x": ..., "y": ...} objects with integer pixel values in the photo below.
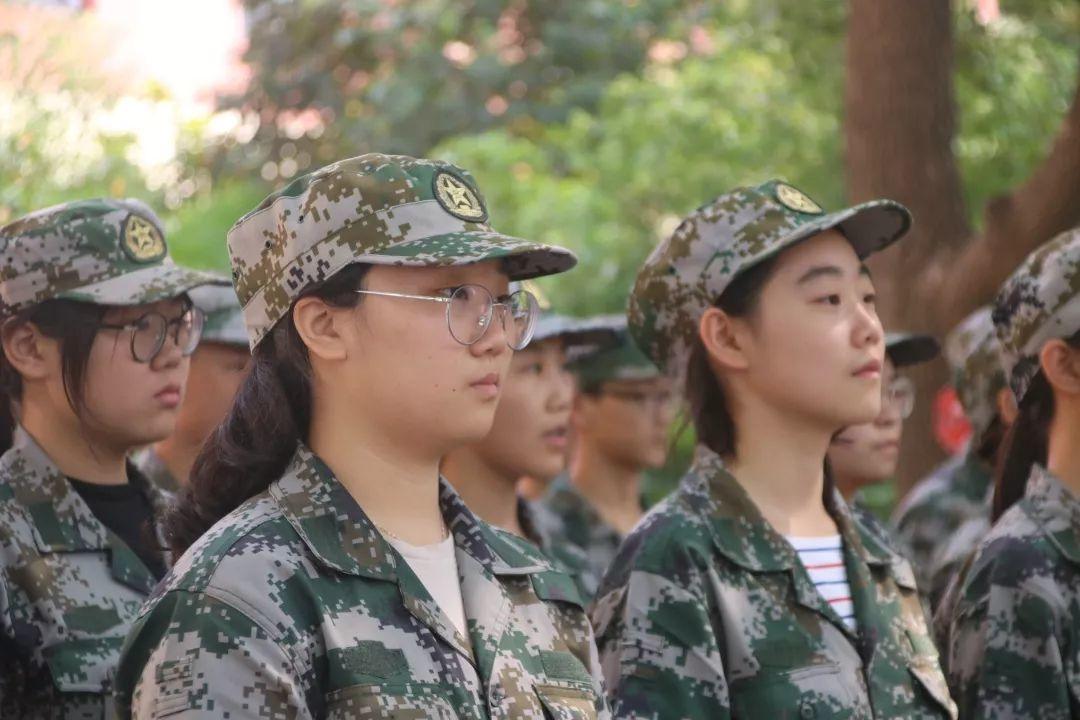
[
  {"x": 974, "y": 356},
  {"x": 687, "y": 272},
  {"x": 103, "y": 251},
  {"x": 621, "y": 360},
  {"x": 375, "y": 209},
  {"x": 1040, "y": 301}
]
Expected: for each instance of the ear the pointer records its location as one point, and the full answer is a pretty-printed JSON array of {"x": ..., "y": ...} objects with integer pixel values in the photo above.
[
  {"x": 723, "y": 339},
  {"x": 1006, "y": 406},
  {"x": 33, "y": 355},
  {"x": 1061, "y": 366},
  {"x": 320, "y": 328}
]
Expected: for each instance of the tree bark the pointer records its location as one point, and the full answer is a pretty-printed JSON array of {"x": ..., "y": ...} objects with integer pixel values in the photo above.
[{"x": 899, "y": 127}]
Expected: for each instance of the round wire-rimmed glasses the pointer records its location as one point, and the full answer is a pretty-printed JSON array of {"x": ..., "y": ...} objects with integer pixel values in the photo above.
[
  {"x": 899, "y": 393},
  {"x": 149, "y": 330},
  {"x": 469, "y": 309}
]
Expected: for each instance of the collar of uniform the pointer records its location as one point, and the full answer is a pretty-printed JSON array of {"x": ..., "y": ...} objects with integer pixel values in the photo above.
[
  {"x": 494, "y": 551},
  {"x": 61, "y": 519},
  {"x": 1055, "y": 509},
  {"x": 341, "y": 535},
  {"x": 973, "y": 477},
  {"x": 861, "y": 535},
  {"x": 743, "y": 535}
]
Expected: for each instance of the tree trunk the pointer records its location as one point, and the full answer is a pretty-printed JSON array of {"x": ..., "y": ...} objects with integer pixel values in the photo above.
[{"x": 899, "y": 127}]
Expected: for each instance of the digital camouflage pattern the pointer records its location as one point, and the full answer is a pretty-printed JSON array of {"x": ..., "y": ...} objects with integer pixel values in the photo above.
[
  {"x": 377, "y": 209},
  {"x": 69, "y": 591},
  {"x": 295, "y": 606},
  {"x": 155, "y": 470},
  {"x": 708, "y": 613},
  {"x": 687, "y": 273},
  {"x": 974, "y": 353},
  {"x": 578, "y": 335},
  {"x": 619, "y": 360},
  {"x": 224, "y": 321},
  {"x": 567, "y": 557},
  {"x": 932, "y": 512},
  {"x": 1040, "y": 301},
  {"x": 950, "y": 564},
  {"x": 1014, "y": 643},
  {"x": 575, "y": 528},
  {"x": 104, "y": 251}
]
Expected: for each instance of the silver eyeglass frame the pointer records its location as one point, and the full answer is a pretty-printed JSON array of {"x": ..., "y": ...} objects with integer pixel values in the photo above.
[{"x": 526, "y": 335}]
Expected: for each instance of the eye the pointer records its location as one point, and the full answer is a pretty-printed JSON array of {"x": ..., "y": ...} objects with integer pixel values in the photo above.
[
  {"x": 833, "y": 299},
  {"x": 870, "y": 298},
  {"x": 448, "y": 291}
]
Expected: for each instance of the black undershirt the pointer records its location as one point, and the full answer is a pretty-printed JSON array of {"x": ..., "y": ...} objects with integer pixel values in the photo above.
[{"x": 126, "y": 511}]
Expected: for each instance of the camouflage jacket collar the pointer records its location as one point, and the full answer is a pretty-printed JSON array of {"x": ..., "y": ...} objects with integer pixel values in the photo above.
[
  {"x": 62, "y": 521},
  {"x": 742, "y": 534},
  {"x": 1056, "y": 510},
  {"x": 340, "y": 534}
]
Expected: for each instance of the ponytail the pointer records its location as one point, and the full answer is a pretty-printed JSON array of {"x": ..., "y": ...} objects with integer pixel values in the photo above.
[
  {"x": 1024, "y": 445},
  {"x": 270, "y": 416}
]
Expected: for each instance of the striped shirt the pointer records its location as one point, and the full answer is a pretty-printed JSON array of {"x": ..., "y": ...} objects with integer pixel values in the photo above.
[{"x": 823, "y": 558}]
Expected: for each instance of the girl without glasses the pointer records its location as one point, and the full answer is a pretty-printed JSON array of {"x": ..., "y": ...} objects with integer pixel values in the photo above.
[
  {"x": 1014, "y": 640},
  {"x": 96, "y": 335},
  {"x": 336, "y": 574},
  {"x": 752, "y": 591}
]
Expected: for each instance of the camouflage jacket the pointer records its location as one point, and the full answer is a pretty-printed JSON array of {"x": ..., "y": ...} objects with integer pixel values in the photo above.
[
  {"x": 154, "y": 468},
  {"x": 708, "y": 613},
  {"x": 575, "y": 528},
  {"x": 935, "y": 508},
  {"x": 569, "y": 558},
  {"x": 69, "y": 590},
  {"x": 295, "y": 606},
  {"x": 1014, "y": 646}
]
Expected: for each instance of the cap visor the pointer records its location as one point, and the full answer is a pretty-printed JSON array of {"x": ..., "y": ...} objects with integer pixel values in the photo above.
[
  {"x": 148, "y": 285},
  {"x": 905, "y": 350},
  {"x": 523, "y": 259}
]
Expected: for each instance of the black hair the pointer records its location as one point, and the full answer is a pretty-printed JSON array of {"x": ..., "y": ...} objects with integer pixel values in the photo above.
[
  {"x": 1027, "y": 441},
  {"x": 269, "y": 417},
  {"x": 708, "y": 410},
  {"x": 75, "y": 325}
]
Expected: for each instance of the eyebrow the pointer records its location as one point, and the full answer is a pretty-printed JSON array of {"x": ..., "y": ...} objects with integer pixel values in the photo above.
[{"x": 829, "y": 271}]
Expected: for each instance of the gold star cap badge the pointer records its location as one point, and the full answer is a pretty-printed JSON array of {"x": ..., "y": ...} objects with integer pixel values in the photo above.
[
  {"x": 797, "y": 200},
  {"x": 458, "y": 199},
  {"x": 141, "y": 240}
]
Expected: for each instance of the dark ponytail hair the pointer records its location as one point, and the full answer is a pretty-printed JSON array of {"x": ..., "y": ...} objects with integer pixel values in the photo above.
[
  {"x": 75, "y": 325},
  {"x": 707, "y": 406},
  {"x": 269, "y": 417},
  {"x": 1027, "y": 441}
]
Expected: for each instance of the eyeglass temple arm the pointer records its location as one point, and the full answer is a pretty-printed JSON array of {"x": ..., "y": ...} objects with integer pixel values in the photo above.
[{"x": 402, "y": 295}]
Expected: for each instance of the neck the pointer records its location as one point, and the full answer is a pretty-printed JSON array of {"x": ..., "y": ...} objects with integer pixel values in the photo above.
[
  {"x": 780, "y": 461},
  {"x": 178, "y": 453},
  {"x": 848, "y": 485},
  {"x": 396, "y": 485},
  {"x": 489, "y": 493},
  {"x": 1063, "y": 453},
  {"x": 75, "y": 454},
  {"x": 612, "y": 487}
]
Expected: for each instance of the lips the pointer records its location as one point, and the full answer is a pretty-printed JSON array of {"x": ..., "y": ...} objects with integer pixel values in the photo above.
[
  {"x": 169, "y": 395},
  {"x": 871, "y": 369},
  {"x": 556, "y": 437},
  {"x": 487, "y": 386}
]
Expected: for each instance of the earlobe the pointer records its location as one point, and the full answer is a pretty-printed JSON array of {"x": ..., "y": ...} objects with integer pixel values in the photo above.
[
  {"x": 317, "y": 324},
  {"x": 722, "y": 339}
]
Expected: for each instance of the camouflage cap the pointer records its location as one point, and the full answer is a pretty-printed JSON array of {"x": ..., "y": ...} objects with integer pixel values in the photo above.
[
  {"x": 905, "y": 349},
  {"x": 103, "y": 251},
  {"x": 687, "y": 273},
  {"x": 224, "y": 319},
  {"x": 587, "y": 334},
  {"x": 974, "y": 355},
  {"x": 622, "y": 360},
  {"x": 1040, "y": 301},
  {"x": 377, "y": 209}
]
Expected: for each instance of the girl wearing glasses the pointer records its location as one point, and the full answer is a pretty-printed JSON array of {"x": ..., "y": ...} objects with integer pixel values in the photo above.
[
  {"x": 715, "y": 606},
  {"x": 328, "y": 571},
  {"x": 96, "y": 335},
  {"x": 868, "y": 453},
  {"x": 1015, "y": 608}
]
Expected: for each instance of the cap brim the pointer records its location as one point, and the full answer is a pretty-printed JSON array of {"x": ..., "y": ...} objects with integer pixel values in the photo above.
[
  {"x": 906, "y": 349},
  {"x": 573, "y": 331},
  {"x": 523, "y": 259},
  {"x": 151, "y": 284}
]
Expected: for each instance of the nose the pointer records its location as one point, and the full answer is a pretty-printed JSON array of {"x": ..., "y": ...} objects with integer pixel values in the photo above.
[
  {"x": 562, "y": 391},
  {"x": 867, "y": 328},
  {"x": 170, "y": 354},
  {"x": 493, "y": 341}
]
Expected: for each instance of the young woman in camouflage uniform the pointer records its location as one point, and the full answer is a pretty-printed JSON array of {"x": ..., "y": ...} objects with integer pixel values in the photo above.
[
  {"x": 718, "y": 604},
  {"x": 337, "y": 575},
  {"x": 97, "y": 332},
  {"x": 1014, "y": 640}
]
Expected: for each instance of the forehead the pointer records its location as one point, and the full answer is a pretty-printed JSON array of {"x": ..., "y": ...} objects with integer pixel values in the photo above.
[
  {"x": 489, "y": 273},
  {"x": 828, "y": 248}
]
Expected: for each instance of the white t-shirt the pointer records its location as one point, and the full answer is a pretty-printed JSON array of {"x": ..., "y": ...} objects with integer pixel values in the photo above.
[
  {"x": 823, "y": 558},
  {"x": 436, "y": 566}
]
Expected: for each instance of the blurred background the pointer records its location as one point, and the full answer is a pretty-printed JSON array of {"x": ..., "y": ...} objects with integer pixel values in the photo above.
[{"x": 594, "y": 124}]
